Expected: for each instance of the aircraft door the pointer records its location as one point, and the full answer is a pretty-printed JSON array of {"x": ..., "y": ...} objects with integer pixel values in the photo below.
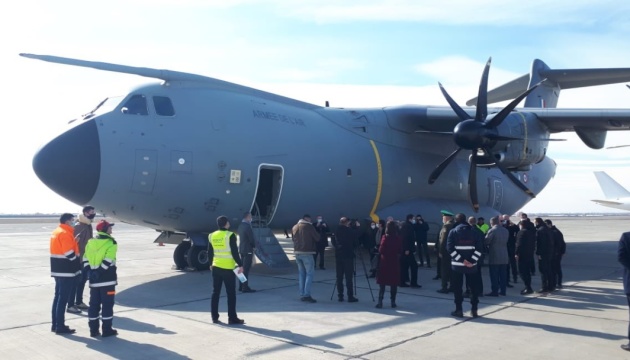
[
  {"x": 268, "y": 191},
  {"x": 496, "y": 193}
]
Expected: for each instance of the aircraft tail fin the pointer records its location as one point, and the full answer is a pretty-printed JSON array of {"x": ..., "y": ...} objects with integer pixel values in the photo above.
[
  {"x": 611, "y": 188},
  {"x": 546, "y": 95}
]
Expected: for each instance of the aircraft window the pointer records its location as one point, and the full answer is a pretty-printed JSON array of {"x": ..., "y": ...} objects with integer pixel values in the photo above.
[
  {"x": 163, "y": 106},
  {"x": 135, "y": 105}
]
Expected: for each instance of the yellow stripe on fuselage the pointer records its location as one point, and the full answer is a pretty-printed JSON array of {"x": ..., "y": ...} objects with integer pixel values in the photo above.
[{"x": 379, "y": 186}]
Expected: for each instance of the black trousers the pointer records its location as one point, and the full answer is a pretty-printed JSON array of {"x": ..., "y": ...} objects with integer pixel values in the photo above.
[
  {"x": 628, "y": 296},
  {"x": 407, "y": 263},
  {"x": 511, "y": 265},
  {"x": 445, "y": 264},
  {"x": 319, "y": 252},
  {"x": 101, "y": 301},
  {"x": 546, "y": 274},
  {"x": 525, "y": 271},
  {"x": 247, "y": 258},
  {"x": 457, "y": 282},
  {"x": 422, "y": 251},
  {"x": 557, "y": 269},
  {"x": 345, "y": 269},
  {"x": 219, "y": 277}
]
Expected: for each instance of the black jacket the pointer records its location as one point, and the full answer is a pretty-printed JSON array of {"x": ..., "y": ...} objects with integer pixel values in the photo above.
[
  {"x": 623, "y": 255},
  {"x": 544, "y": 242},
  {"x": 525, "y": 244},
  {"x": 464, "y": 244},
  {"x": 560, "y": 246},
  {"x": 513, "y": 230},
  {"x": 421, "y": 229},
  {"x": 408, "y": 237},
  {"x": 344, "y": 241}
]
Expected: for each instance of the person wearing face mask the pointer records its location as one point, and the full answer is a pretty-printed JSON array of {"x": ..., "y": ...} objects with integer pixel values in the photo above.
[
  {"x": 369, "y": 243},
  {"x": 83, "y": 232},
  {"x": 65, "y": 266},
  {"x": 408, "y": 259},
  {"x": 380, "y": 231},
  {"x": 322, "y": 230}
]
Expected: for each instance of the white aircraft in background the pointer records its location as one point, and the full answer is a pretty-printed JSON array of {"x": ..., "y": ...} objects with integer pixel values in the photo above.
[{"x": 616, "y": 195}]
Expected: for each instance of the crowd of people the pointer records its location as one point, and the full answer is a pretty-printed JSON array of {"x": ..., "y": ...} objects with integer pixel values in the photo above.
[{"x": 396, "y": 249}]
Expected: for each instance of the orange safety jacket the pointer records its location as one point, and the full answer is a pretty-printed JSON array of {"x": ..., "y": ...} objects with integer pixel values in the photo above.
[{"x": 64, "y": 253}]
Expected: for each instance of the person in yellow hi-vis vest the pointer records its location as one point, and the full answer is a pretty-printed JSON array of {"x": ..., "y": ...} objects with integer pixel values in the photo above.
[{"x": 224, "y": 256}]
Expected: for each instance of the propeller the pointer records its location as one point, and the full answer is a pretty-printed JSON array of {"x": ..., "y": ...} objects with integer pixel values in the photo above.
[{"x": 480, "y": 133}]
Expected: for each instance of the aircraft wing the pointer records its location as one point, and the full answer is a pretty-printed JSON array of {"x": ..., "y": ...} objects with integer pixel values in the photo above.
[{"x": 590, "y": 125}]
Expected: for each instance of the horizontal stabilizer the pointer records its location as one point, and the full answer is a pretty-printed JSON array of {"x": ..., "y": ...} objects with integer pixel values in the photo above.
[
  {"x": 607, "y": 202},
  {"x": 611, "y": 188}
]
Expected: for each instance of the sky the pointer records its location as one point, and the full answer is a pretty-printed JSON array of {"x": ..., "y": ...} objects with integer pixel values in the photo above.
[{"x": 365, "y": 53}]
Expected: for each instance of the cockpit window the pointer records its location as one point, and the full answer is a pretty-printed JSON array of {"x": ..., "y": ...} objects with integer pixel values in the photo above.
[
  {"x": 163, "y": 106},
  {"x": 136, "y": 105}
]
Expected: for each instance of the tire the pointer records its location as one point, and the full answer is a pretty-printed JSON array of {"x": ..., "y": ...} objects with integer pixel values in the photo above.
[
  {"x": 198, "y": 258},
  {"x": 180, "y": 255}
]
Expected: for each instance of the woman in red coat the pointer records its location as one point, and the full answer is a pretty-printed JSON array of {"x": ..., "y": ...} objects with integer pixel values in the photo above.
[{"x": 389, "y": 264}]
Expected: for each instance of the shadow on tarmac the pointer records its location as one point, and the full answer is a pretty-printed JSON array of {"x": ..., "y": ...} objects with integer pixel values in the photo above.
[
  {"x": 119, "y": 348},
  {"x": 129, "y": 324}
]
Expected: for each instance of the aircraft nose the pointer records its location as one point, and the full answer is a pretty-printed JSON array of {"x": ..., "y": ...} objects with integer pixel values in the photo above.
[{"x": 70, "y": 164}]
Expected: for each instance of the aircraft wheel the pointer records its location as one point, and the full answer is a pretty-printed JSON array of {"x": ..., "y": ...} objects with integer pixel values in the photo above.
[
  {"x": 198, "y": 258},
  {"x": 180, "y": 255}
]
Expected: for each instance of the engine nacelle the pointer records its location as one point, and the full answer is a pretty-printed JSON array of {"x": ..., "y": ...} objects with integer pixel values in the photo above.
[{"x": 520, "y": 154}]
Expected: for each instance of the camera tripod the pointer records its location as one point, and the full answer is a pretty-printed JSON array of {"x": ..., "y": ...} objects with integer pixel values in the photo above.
[{"x": 354, "y": 274}]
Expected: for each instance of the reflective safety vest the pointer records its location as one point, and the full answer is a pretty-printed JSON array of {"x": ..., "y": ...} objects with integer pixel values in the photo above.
[
  {"x": 220, "y": 241},
  {"x": 100, "y": 256},
  {"x": 64, "y": 251}
]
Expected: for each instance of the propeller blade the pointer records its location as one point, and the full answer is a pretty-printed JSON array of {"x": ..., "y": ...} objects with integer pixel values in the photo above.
[
  {"x": 482, "y": 97},
  {"x": 617, "y": 146},
  {"x": 438, "y": 170},
  {"x": 458, "y": 110},
  {"x": 472, "y": 182},
  {"x": 502, "y": 115},
  {"x": 502, "y": 138},
  {"x": 516, "y": 181},
  {"x": 449, "y": 133}
]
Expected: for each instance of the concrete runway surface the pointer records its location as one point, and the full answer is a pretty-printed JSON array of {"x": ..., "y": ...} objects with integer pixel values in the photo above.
[{"x": 165, "y": 314}]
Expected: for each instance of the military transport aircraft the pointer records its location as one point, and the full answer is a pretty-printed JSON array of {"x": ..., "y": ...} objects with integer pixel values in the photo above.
[{"x": 173, "y": 155}]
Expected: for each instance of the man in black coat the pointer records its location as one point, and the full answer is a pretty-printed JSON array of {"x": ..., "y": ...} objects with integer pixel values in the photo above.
[
  {"x": 560, "y": 247},
  {"x": 421, "y": 228},
  {"x": 545, "y": 250},
  {"x": 322, "y": 230},
  {"x": 511, "y": 247},
  {"x": 623, "y": 255},
  {"x": 408, "y": 258},
  {"x": 524, "y": 253},
  {"x": 344, "y": 241}
]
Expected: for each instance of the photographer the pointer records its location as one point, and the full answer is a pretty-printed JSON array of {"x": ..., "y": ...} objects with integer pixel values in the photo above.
[{"x": 344, "y": 242}]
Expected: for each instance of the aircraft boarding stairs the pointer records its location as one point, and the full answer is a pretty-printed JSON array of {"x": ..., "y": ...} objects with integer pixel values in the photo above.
[{"x": 268, "y": 248}]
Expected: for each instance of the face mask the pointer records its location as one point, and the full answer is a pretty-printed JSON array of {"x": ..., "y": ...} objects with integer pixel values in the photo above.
[
  {"x": 378, "y": 225},
  {"x": 373, "y": 226},
  {"x": 413, "y": 221},
  {"x": 319, "y": 220},
  {"x": 91, "y": 216}
]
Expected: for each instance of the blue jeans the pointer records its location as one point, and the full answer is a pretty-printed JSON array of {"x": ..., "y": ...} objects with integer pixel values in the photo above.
[
  {"x": 306, "y": 267},
  {"x": 498, "y": 278},
  {"x": 81, "y": 280},
  {"x": 63, "y": 287}
]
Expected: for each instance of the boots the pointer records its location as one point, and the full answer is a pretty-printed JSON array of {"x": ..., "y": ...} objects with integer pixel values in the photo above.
[
  {"x": 381, "y": 294},
  {"x": 107, "y": 329},
  {"x": 393, "y": 291},
  {"x": 94, "y": 325}
]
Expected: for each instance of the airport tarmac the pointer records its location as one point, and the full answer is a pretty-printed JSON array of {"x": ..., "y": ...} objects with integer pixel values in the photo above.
[{"x": 165, "y": 314}]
